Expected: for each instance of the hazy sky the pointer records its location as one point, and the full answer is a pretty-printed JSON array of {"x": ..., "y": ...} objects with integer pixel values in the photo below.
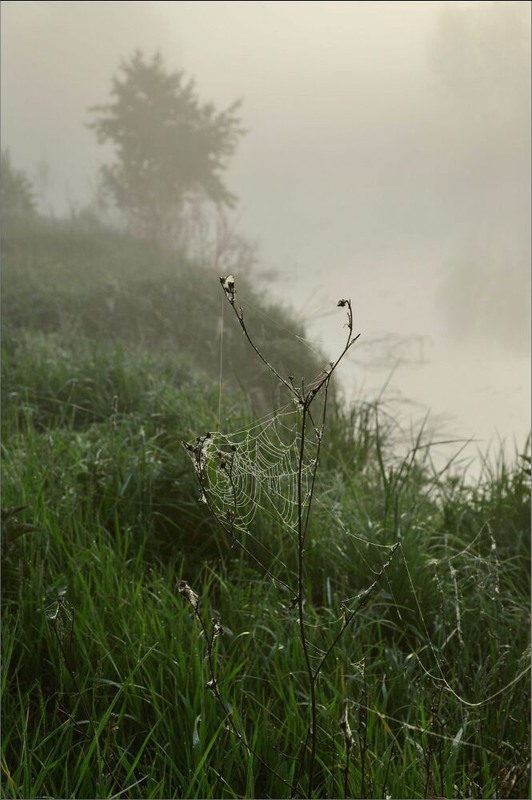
[{"x": 387, "y": 158}]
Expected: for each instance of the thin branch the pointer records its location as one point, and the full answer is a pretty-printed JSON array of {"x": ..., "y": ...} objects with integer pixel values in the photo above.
[
  {"x": 193, "y": 600},
  {"x": 304, "y": 399},
  {"x": 350, "y": 615}
]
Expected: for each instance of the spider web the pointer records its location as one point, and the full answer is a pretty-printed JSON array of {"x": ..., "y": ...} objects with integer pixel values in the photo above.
[{"x": 261, "y": 469}]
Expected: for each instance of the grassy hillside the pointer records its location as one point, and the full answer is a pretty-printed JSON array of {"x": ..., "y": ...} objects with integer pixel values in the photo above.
[
  {"x": 67, "y": 279},
  {"x": 110, "y": 358}
]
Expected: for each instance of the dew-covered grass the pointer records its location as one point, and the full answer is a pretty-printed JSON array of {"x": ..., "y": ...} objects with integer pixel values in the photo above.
[{"x": 105, "y": 665}]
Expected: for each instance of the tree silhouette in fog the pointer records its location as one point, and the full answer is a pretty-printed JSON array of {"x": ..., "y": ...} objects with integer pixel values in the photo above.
[
  {"x": 17, "y": 199},
  {"x": 169, "y": 147}
]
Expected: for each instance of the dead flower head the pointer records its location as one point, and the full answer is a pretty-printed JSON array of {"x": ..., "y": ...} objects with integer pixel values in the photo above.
[
  {"x": 228, "y": 285},
  {"x": 189, "y": 595}
]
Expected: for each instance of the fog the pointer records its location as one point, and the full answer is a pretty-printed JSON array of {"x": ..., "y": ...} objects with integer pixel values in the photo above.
[{"x": 386, "y": 159}]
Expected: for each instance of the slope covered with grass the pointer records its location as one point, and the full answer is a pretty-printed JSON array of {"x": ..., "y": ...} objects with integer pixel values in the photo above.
[
  {"x": 63, "y": 278},
  {"x": 110, "y": 357}
]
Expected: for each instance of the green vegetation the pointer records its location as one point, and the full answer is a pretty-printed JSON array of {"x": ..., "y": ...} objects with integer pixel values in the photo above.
[{"x": 110, "y": 358}]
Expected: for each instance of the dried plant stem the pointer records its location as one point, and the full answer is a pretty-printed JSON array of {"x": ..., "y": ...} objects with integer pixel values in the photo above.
[
  {"x": 349, "y": 742},
  {"x": 350, "y": 615},
  {"x": 193, "y": 600},
  {"x": 102, "y": 755},
  {"x": 309, "y": 432},
  {"x": 363, "y": 732}
]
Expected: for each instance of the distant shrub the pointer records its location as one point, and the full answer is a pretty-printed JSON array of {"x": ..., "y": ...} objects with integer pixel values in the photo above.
[{"x": 17, "y": 199}]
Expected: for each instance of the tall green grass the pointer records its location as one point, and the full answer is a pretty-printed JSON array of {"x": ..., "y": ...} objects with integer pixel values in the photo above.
[{"x": 104, "y": 663}]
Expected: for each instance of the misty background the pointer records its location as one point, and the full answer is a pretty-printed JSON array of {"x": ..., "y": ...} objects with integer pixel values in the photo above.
[{"x": 386, "y": 159}]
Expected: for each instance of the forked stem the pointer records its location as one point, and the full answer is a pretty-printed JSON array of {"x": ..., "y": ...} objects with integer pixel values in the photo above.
[{"x": 198, "y": 451}]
